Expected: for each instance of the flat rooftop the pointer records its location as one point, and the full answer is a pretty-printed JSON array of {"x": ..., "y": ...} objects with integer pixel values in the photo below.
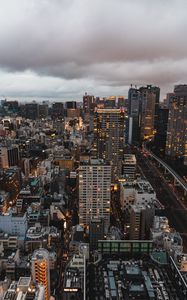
[{"x": 112, "y": 278}]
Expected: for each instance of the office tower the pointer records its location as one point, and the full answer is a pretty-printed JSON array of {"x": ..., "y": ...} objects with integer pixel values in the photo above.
[
  {"x": 4, "y": 158},
  {"x": 43, "y": 110},
  {"x": 71, "y": 105},
  {"x": 129, "y": 166},
  {"x": 134, "y": 99},
  {"x": 149, "y": 110},
  {"x": 156, "y": 91},
  {"x": 96, "y": 233},
  {"x": 11, "y": 106},
  {"x": 176, "y": 144},
  {"x": 73, "y": 112},
  {"x": 9, "y": 156},
  {"x": 110, "y": 102},
  {"x": 88, "y": 103},
  {"x": 143, "y": 113},
  {"x": 31, "y": 111},
  {"x": 57, "y": 110},
  {"x": 13, "y": 155},
  {"x": 161, "y": 131},
  {"x": 40, "y": 269},
  {"x": 121, "y": 102},
  {"x": 94, "y": 192},
  {"x": 169, "y": 97},
  {"x": 141, "y": 219},
  {"x": 109, "y": 131}
]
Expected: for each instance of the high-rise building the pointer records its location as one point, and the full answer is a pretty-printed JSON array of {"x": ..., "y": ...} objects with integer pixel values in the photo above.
[
  {"x": 109, "y": 136},
  {"x": 149, "y": 110},
  {"x": 9, "y": 156},
  {"x": 11, "y": 106},
  {"x": 110, "y": 102},
  {"x": 96, "y": 233},
  {"x": 88, "y": 103},
  {"x": 143, "y": 112},
  {"x": 161, "y": 131},
  {"x": 43, "y": 110},
  {"x": 40, "y": 269},
  {"x": 134, "y": 116},
  {"x": 129, "y": 166},
  {"x": 57, "y": 111},
  {"x": 71, "y": 105},
  {"x": 4, "y": 158},
  {"x": 73, "y": 113},
  {"x": 94, "y": 192},
  {"x": 141, "y": 219},
  {"x": 31, "y": 111},
  {"x": 176, "y": 144},
  {"x": 168, "y": 99},
  {"x": 121, "y": 102}
]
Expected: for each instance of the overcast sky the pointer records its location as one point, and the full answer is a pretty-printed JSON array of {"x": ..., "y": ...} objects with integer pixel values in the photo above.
[{"x": 63, "y": 48}]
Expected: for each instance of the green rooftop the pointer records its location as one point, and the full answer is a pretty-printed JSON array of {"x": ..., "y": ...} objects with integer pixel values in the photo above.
[
  {"x": 160, "y": 257},
  {"x": 34, "y": 182}
]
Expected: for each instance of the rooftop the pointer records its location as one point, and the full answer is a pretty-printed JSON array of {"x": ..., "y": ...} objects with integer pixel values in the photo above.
[
  {"x": 129, "y": 159},
  {"x": 132, "y": 279}
]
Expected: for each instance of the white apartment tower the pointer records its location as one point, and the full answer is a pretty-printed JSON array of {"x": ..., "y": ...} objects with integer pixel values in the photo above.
[{"x": 94, "y": 192}]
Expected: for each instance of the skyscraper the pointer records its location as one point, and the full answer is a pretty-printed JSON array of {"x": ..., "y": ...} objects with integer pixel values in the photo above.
[
  {"x": 31, "y": 110},
  {"x": 161, "y": 131},
  {"x": 94, "y": 192},
  {"x": 110, "y": 102},
  {"x": 109, "y": 135},
  {"x": 134, "y": 100},
  {"x": 143, "y": 112},
  {"x": 176, "y": 144},
  {"x": 9, "y": 156},
  {"x": 57, "y": 111},
  {"x": 40, "y": 269},
  {"x": 43, "y": 110},
  {"x": 88, "y": 103},
  {"x": 149, "y": 110}
]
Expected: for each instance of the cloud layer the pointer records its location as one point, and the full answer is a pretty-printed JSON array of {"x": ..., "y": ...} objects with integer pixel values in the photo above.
[{"x": 61, "y": 48}]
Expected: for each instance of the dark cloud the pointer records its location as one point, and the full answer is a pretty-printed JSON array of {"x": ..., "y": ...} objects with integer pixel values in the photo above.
[{"x": 101, "y": 45}]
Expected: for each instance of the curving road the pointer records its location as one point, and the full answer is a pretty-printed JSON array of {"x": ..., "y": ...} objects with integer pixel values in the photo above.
[{"x": 174, "y": 210}]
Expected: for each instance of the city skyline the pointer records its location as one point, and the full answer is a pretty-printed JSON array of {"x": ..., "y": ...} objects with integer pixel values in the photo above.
[
  {"x": 93, "y": 150},
  {"x": 60, "y": 49},
  {"x": 93, "y": 197}
]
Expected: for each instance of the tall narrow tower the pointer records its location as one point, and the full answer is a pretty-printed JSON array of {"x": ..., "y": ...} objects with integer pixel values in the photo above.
[
  {"x": 149, "y": 110},
  {"x": 176, "y": 144},
  {"x": 40, "y": 269}
]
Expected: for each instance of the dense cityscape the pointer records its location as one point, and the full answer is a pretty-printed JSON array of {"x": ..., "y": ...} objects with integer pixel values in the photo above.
[
  {"x": 93, "y": 197},
  {"x": 93, "y": 150}
]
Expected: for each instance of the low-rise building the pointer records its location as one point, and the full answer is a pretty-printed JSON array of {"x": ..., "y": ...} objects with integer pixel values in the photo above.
[
  {"x": 24, "y": 289},
  {"x": 12, "y": 223}
]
